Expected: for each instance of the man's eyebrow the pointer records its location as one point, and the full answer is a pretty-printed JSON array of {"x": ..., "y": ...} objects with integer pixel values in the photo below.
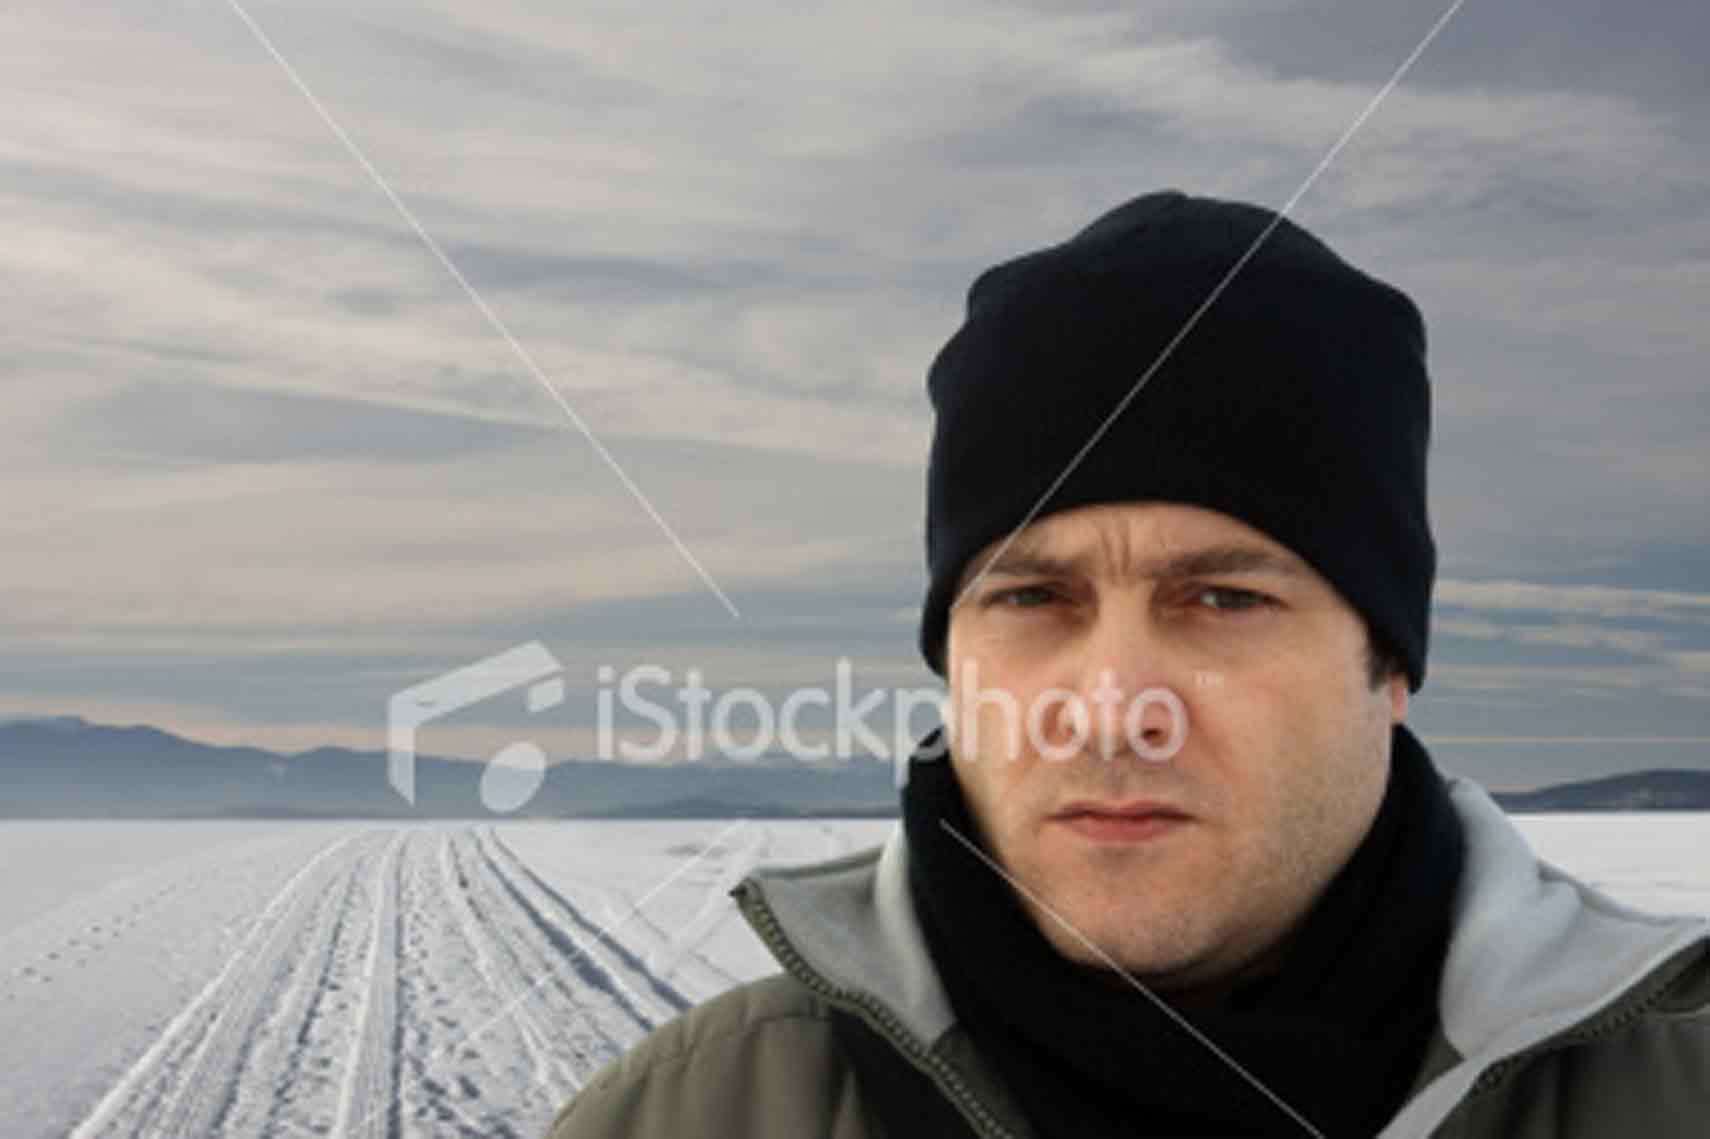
[{"x": 1210, "y": 560}]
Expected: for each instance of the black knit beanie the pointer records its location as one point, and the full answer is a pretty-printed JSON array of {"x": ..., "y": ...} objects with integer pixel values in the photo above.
[{"x": 1298, "y": 402}]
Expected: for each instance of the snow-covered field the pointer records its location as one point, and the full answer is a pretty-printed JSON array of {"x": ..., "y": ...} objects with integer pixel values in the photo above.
[
  {"x": 248, "y": 979},
  {"x": 272, "y": 979}
]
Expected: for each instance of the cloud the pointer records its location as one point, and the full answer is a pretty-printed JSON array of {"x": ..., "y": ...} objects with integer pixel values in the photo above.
[
  {"x": 255, "y": 422},
  {"x": 1655, "y": 657},
  {"x": 1632, "y": 641},
  {"x": 1605, "y": 601},
  {"x": 434, "y": 532}
]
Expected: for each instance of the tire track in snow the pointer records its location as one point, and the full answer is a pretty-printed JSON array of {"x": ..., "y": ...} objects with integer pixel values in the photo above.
[
  {"x": 446, "y": 1080},
  {"x": 504, "y": 1034},
  {"x": 680, "y": 957},
  {"x": 675, "y": 953},
  {"x": 249, "y": 1078},
  {"x": 676, "y": 958},
  {"x": 652, "y": 998},
  {"x": 495, "y": 1028},
  {"x": 367, "y": 1104},
  {"x": 401, "y": 981},
  {"x": 557, "y": 991},
  {"x": 275, "y": 1066},
  {"x": 176, "y": 1086}
]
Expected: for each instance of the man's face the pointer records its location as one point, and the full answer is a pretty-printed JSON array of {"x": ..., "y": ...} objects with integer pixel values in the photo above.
[{"x": 1185, "y": 870}]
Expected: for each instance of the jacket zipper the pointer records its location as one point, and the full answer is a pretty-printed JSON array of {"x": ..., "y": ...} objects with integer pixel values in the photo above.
[
  {"x": 760, "y": 916},
  {"x": 1611, "y": 1021}
]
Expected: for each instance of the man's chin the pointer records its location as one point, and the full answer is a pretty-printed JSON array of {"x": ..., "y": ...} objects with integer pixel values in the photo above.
[{"x": 1147, "y": 960}]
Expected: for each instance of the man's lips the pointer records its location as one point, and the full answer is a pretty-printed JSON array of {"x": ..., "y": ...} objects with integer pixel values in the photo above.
[
  {"x": 1127, "y": 821},
  {"x": 1124, "y": 809}
]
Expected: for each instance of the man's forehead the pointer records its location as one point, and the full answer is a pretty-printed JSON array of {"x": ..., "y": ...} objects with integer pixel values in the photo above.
[{"x": 1133, "y": 539}]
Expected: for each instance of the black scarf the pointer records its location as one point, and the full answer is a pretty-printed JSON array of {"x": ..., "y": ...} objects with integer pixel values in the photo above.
[{"x": 1337, "y": 1032}]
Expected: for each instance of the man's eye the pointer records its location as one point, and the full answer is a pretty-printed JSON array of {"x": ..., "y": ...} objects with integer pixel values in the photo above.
[
  {"x": 1231, "y": 600},
  {"x": 1023, "y": 597}
]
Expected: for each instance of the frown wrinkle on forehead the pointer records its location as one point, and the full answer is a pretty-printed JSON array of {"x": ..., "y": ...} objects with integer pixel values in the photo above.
[{"x": 1118, "y": 560}]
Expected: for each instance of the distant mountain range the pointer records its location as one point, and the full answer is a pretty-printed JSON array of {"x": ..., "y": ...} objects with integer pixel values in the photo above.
[
  {"x": 1673, "y": 789},
  {"x": 70, "y": 767}
]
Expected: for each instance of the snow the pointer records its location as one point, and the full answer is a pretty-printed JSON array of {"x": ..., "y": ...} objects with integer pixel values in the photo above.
[
  {"x": 87, "y": 857},
  {"x": 1658, "y": 861},
  {"x": 663, "y": 887},
  {"x": 273, "y": 979}
]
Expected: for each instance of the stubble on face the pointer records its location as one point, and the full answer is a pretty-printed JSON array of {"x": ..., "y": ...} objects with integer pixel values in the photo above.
[{"x": 1282, "y": 773}]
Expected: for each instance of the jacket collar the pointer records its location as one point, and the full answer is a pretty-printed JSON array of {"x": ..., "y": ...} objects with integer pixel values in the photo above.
[
  {"x": 853, "y": 922},
  {"x": 1533, "y": 950},
  {"x": 1533, "y": 953}
]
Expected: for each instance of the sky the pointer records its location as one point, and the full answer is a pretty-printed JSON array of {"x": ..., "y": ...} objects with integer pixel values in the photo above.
[{"x": 669, "y": 283}]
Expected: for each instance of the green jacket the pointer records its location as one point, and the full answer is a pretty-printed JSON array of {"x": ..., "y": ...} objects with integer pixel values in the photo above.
[{"x": 1562, "y": 1014}]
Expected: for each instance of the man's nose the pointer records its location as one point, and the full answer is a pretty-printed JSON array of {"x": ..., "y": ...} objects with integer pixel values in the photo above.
[{"x": 1127, "y": 691}]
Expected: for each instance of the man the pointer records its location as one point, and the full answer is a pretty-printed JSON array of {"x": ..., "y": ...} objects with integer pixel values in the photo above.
[{"x": 1175, "y": 865}]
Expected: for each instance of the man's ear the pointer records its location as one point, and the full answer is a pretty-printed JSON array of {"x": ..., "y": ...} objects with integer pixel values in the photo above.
[{"x": 1397, "y": 697}]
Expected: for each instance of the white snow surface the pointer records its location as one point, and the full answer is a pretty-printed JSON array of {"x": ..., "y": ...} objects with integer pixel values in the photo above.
[{"x": 283, "y": 979}]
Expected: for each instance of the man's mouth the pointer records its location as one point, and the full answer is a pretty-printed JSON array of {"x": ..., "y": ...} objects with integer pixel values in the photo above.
[{"x": 1126, "y": 821}]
